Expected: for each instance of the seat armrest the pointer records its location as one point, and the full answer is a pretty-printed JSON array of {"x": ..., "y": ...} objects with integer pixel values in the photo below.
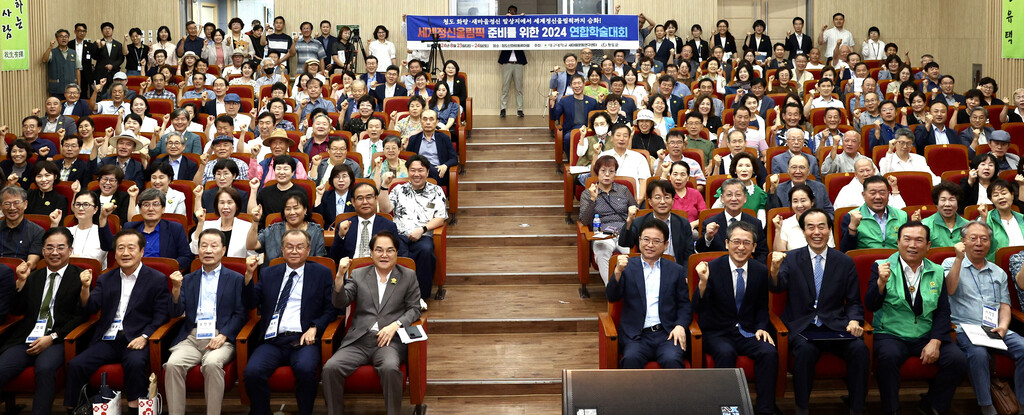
[
  {"x": 77, "y": 337},
  {"x": 567, "y": 190},
  {"x": 327, "y": 340},
  {"x": 242, "y": 353},
  {"x": 608, "y": 342},
  {"x": 696, "y": 346},
  {"x": 469, "y": 115},
  {"x": 11, "y": 320},
  {"x": 582, "y": 254},
  {"x": 453, "y": 190},
  {"x": 159, "y": 343},
  {"x": 462, "y": 146},
  {"x": 417, "y": 366},
  {"x": 441, "y": 255},
  {"x": 782, "y": 346}
]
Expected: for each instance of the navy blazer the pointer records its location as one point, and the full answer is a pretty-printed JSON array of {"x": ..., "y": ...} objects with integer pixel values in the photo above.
[
  {"x": 718, "y": 242},
  {"x": 673, "y": 302},
  {"x": 329, "y": 206},
  {"x": 231, "y": 314},
  {"x": 967, "y": 136},
  {"x": 662, "y": 54},
  {"x": 210, "y": 108},
  {"x": 445, "y": 149},
  {"x": 679, "y": 230},
  {"x": 378, "y": 94},
  {"x": 173, "y": 243},
  {"x": 7, "y": 289},
  {"x": 81, "y": 172},
  {"x": 839, "y": 299},
  {"x": 148, "y": 305},
  {"x": 565, "y": 106},
  {"x": 186, "y": 168},
  {"x": 379, "y": 78},
  {"x": 134, "y": 172},
  {"x": 317, "y": 286},
  {"x": 716, "y": 309},
  {"x": 925, "y": 137},
  {"x": 345, "y": 245}
]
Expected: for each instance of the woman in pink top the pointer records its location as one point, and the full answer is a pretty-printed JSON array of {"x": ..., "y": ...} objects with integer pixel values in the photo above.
[{"x": 687, "y": 199}]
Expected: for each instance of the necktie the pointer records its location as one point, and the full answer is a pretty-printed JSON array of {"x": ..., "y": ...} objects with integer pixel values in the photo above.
[
  {"x": 364, "y": 240},
  {"x": 44, "y": 308},
  {"x": 732, "y": 221},
  {"x": 282, "y": 301},
  {"x": 819, "y": 272},
  {"x": 740, "y": 290}
]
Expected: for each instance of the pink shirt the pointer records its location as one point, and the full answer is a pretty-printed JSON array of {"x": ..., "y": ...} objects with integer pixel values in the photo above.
[{"x": 692, "y": 203}]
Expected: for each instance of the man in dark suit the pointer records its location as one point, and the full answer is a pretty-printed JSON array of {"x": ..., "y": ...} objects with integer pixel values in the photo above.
[
  {"x": 946, "y": 94},
  {"x": 823, "y": 301},
  {"x": 184, "y": 168},
  {"x": 934, "y": 131},
  {"x": 294, "y": 300},
  {"x": 211, "y": 301},
  {"x": 390, "y": 88},
  {"x": 369, "y": 340},
  {"x": 679, "y": 241},
  {"x": 49, "y": 301},
  {"x": 75, "y": 169},
  {"x": 436, "y": 146},
  {"x": 133, "y": 170},
  {"x": 372, "y": 77},
  {"x": 907, "y": 293},
  {"x": 74, "y": 105},
  {"x": 164, "y": 239},
  {"x": 86, "y": 52},
  {"x": 675, "y": 104},
  {"x": 125, "y": 322},
  {"x": 734, "y": 195},
  {"x": 109, "y": 54},
  {"x": 351, "y": 237},
  {"x": 733, "y": 311},
  {"x": 797, "y": 42},
  {"x": 654, "y": 301},
  {"x": 567, "y": 106}
]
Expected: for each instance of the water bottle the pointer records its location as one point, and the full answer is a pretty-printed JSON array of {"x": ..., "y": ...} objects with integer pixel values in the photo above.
[
  {"x": 597, "y": 223},
  {"x": 105, "y": 393}
]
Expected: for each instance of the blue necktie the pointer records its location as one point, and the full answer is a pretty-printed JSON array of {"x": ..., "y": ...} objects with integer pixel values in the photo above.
[
  {"x": 819, "y": 272},
  {"x": 282, "y": 300},
  {"x": 740, "y": 290}
]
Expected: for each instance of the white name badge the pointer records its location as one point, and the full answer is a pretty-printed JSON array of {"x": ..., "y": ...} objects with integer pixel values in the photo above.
[
  {"x": 989, "y": 316},
  {"x": 206, "y": 328},
  {"x": 112, "y": 331},
  {"x": 272, "y": 327},
  {"x": 38, "y": 331},
  {"x": 277, "y": 44}
]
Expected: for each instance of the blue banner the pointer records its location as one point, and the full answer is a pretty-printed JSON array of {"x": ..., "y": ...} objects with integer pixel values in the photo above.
[{"x": 549, "y": 31}]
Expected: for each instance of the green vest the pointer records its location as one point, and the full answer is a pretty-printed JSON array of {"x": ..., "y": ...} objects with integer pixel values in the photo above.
[
  {"x": 869, "y": 235},
  {"x": 942, "y": 236},
  {"x": 999, "y": 237},
  {"x": 896, "y": 317}
]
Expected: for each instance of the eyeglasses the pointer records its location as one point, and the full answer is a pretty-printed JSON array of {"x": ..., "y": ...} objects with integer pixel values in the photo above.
[
  {"x": 382, "y": 251},
  {"x": 83, "y": 205},
  {"x": 151, "y": 205},
  {"x": 51, "y": 248},
  {"x": 651, "y": 241},
  {"x": 741, "y": 242},
  {"x": 13, "y": 203},
  {"x": 366, "y": 198},
  {"x": 294, "y": 248},
  {"x": 661, "y": 197},
  {"x": 108, "y": 180},
  {"x": 173, "y": 143},
  {"x": 974, "y": 238}
]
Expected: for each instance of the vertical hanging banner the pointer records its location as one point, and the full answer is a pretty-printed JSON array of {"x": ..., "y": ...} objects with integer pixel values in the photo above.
[
  {"x": 13, "y": 35},
  {"x": 1013, "y": 33},
  {"x": 549, "y": 31}
]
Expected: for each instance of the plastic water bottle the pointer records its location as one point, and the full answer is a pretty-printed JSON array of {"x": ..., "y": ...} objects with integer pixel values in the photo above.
[{"x": 597, "y": 223}]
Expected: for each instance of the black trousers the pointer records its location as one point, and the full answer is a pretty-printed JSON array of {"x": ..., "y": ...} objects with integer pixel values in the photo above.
[
  {"x": 805, "y": 358},
  {"x": 892, "y": 352}
]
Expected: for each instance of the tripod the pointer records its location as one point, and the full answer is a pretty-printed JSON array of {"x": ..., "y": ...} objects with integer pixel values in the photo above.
[
  {"x": 358, "y": 41},
  {"x": 435, "y": 65}
]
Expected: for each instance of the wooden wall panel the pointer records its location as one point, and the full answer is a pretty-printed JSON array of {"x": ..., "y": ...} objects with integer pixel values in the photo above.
[{"x": 23, "y": 90}]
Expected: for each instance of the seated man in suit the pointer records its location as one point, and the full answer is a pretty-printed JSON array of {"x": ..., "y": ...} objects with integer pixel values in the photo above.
[
  {"x": 946, "y": 94},
  {"x": 798, "y": 174},
  {"x": 679, "y": 241},
  {"x": 734, "y": 195},
  {"x": 654, "y": 300},
  {"x": 390, "y": 88},
  {"x": 352, "y": 237},
  {"x": 49, "y": 301},
  {"x": 795, "y": 144},
  {"x": 972, "y": 303},
  {"x": 418, "y": 207},
  {"x": 133, "y": 301},
  {"x": 934, "y": 130},
  {"x": 435, "y": 146},
  {"x": 164, "y": 238},
  {"x": 570, "y": 106},
  {"x": 211, "y": 301},
  {"x": 978, "y": 132},
  {"x": 369, "y": 340},
  {"x": 823, "y": 300},
  {"x": 337, "y": 154},
  {"x": 184, "y": 168},
  {"x": 733, "y": 310},
  {"x": 125, "y": 145},
  {"x": 880, "y": 230},
  {"x": 907, "y": 293},
  {"x": 73, "y": 169},
  {"x": 295, "y": 309}
]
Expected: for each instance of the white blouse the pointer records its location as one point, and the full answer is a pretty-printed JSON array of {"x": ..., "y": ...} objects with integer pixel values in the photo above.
[
  {"x": 175, "y": 202},
  {"x": 87, "y": 244},
  {"x": 236, "y": 245}
]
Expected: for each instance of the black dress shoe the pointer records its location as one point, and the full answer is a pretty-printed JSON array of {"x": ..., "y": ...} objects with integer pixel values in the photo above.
[
  {"x": 501, "y": 114},
  {"x": 520, "y": 114}
]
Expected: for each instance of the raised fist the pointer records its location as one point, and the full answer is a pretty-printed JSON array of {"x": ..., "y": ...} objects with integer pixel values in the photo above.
[
  {"x": 884, "y": 270},
  {"x": 777, "y": 258},
  {"x": 176, "y": 279},
  {"x": 86, "y": 277},
  {"x": 777, "y": 221},
  {"x": 343, "y": 265},
  {"x": 632, "y": 212},
  {"x": 711, "y": 230},
  {"x": 855, "y": 217},
  {"x": 254, "y": 184},
  {"x": 343, "y": 227},
  {"x": 702, "y": 271},
  {"x": 23, "y": 270},
  {"x": 133, "y": 191},
  {"x": 961, "y": 249},
  {"x": 620, "y": 264},
  {"x": 387, "y": 179},
  {"x": 593, "y": 191}
]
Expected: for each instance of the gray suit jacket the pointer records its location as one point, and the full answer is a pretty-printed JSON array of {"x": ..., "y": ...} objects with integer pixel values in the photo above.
[{"x": 401, "y": 300}]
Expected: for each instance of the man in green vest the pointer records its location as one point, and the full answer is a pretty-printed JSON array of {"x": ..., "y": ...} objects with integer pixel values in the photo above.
[
  {"x": 873, "y": 224},
  {"x": 908, "y": 297},
  {"x": 945, "y": 224},
  {"x": 61, "y": 67}
]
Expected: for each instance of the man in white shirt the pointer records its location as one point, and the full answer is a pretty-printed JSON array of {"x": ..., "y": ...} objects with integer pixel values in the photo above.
[
  {"x": 900, "y": 158},
  {"x": 631, "y": 163},
  {"x": 371, "y": 144},
  {"x": 851, "y": 194},
  {"x": 824, "y": 98},
  {"x": 832, "y": 38}
]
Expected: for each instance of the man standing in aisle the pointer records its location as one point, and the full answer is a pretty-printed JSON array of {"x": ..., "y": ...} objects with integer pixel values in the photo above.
[{"x": 512, "y": 67}]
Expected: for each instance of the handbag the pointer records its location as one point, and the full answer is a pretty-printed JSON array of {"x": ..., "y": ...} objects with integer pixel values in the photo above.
[
  {"x": 1003, "y": 398},
  {"x": 84, "y": 406}
]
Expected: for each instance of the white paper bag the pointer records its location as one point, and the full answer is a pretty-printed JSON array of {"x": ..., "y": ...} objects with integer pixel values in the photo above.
[{"x": 112, "y": 407}]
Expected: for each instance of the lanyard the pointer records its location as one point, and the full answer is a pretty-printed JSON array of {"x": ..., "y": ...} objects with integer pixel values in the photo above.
[{"x": 976, "y": 284}]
